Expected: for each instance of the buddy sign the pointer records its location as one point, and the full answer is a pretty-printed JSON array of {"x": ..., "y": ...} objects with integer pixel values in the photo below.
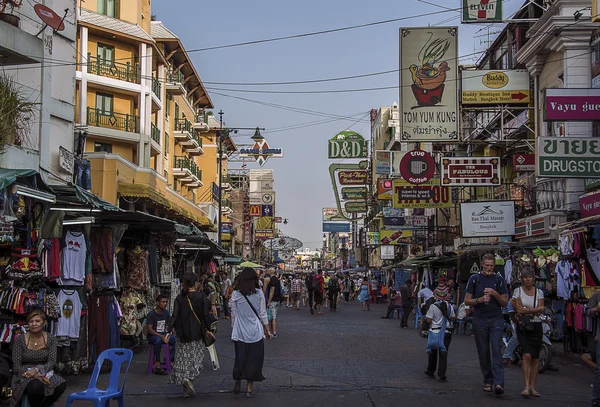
[{"x": 348, "y": 144}]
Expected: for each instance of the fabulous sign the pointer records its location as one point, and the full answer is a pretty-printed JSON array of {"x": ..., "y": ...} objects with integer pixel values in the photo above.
[
  {"x": 429, "y": 84},
  {"x": 568, "y": 157},
  {"x": 459, "y": 171},
  {"x": 348, "y": 144}
]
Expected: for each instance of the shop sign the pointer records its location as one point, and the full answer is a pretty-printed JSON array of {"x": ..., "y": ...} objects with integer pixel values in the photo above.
[
  {"x": 565, "y": 105},
  {"x": 459, "y": 171},
  {"x": 267, "y": 198},
  {"x": 404, "y": 222},
  {"x": 331, "y": 215},
  {"x": 385, "y": 189},
  {"x": 589, "y": 204},
  {"x": 264, "y": 234},
  {"x": 255, "y": 211},
  {"x": 591, "y": 183},
  {"x": 226, "y": 227},
  {"x": 354, "y": 193},
  {"x": 372, "y": 238},
  {"x": 387, "y": 252},
  {"x": 348, "y": 144},
  {"x": 267, "y": 210},
  {"x": 494, "y": 218},
  {"x": 422, "y": 196},
  {"x": 530, "y": 227},
  {"x": 481, "y": 87},
  {"x": 336, "y": 227},
  {"x": 247, "y": 233},
  {"x": 261, "y": 152},
  {"x": 383, "y": 162},
  {"x": 353, "y": 177},
  {"x": 568, "y": 157},
  {"x": 66, "y": 160},
  {"x": 356, "y": 207},
  {"x": 395, "y": 237},
  {"x": 428, "y": 84},
  {"x": 417, "y": 167},
  {"x": 524, "y": 162},
  {"x": 392, "y": 212},
  {"x": 481, "y": 11}
]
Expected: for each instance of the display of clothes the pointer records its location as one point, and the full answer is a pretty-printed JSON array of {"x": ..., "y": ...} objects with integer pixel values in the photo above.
[
  {"x": 166, "y": 270},
  {"x": 137, "y": 271},
  {"x": 69, "y": 322},
  {"x": 73, "y": 258},
  {"x": 103, "y": 311},
  {"x": 102, "y": 250}
]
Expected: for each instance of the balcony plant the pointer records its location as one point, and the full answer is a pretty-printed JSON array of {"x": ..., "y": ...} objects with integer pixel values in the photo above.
[
  {"x": 16, "y": 113},
  {"x": 10, "y": 18}
]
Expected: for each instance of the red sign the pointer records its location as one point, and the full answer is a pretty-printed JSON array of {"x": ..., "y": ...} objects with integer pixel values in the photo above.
[
  {"x": 459, "y": 171},
  {"x": 524, "y": 162},
  {"x": 255, "y": 211},
  {"x": 353, "y": 177},
  {"x": 417, "y": 167},
  {"x": 590, "y": 204},
  {"x": 572, "y": 105},
  {"x": 277, "y": 219},
  {"x": 48, "y": 16}
]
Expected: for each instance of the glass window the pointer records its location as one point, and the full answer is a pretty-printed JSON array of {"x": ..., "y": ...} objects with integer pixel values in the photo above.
[
  {"x": 168, "y": 105},
  {"x": 104, "y": 103},
  {"x": 109, "y": 8},
  {"x": 166, "y": 143},
  {"x": 106, "y": 53},
  {"x": 166, "y": 174},
  {"x": 102, "y": 148}
]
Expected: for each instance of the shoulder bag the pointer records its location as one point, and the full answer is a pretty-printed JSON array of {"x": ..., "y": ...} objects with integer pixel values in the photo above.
[
  {"x": 252, "y": 306},
  {"x": 435, "y": 340},
  {"x": 209, "y": 337},
  {"x": 525, "y": 321}
]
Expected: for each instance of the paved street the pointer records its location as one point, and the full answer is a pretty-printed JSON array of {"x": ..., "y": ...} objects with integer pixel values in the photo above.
[{"x": 353, "y": 358}]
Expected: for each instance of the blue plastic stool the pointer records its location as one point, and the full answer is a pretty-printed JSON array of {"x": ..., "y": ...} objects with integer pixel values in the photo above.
[
  {"x": 101, "y": 398},
  {"x": 399, "y": 310},
  {"x": 418, "y": 315}
]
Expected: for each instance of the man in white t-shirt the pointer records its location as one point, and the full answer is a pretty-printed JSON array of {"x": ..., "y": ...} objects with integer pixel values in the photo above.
[
  {"x": 436, "y": 314},
  {"x": 422, "y": 296}
]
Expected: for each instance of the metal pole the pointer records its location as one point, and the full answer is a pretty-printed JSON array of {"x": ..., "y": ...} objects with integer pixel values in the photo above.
[{"x": 220, "y": 170}]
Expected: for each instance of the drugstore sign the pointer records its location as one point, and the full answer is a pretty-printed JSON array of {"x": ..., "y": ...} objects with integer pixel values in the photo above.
[{"x": 562, "y": 157}]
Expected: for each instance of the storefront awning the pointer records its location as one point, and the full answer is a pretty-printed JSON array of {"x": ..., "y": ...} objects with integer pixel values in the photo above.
[
  {"x": 143, "y": 191},
  {"x": 27, "y": 177},
  {"x": 74, "y": 195}
]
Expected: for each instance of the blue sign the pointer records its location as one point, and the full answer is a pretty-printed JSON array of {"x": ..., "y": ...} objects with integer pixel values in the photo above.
[
  {"x": 336, "y": 227},
  {"x": 267, "y": 210}
]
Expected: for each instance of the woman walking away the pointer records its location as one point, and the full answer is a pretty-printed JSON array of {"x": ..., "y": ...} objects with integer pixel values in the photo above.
[
  {"x": 529, "y": 304},
  {"x": 190, "y": 321},
  {"x": 250, "y": 326},
  {"x": 34, "y": 357},
  {"x": 365, "y": 296}
]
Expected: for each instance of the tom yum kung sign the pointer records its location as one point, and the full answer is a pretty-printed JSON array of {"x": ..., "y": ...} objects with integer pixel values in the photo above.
[{"x": 568, "y": 157}]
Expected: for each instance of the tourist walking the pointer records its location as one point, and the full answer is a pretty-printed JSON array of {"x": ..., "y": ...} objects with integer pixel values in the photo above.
[
  {"x": 273, "y": 300},
  {"x": 347, "y": 286},
  {"x": 250, "y": 327},
  {"x": 437, "y": 313},
  {"x": 365, "y": 297},
  {"x": 310, "y": 289},
  {"x": 296, "y": 291},
  {"x": 405, "y": 292},
  {"x": 189, "y": 322},
  {"x": 334, "y": 289},
  {"x": 319, "y": 287},
  {"x": 528, "y": 302},
  {"x": 487, "y": 293}
]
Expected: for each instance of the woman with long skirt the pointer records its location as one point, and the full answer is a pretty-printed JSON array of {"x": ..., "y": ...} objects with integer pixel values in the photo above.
[
  {"x": 250, "y": 327},
  {"x": 189, "y": 321}
]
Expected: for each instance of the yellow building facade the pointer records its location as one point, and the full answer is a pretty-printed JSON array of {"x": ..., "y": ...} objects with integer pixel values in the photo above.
[{"x": 140, "y": 103}]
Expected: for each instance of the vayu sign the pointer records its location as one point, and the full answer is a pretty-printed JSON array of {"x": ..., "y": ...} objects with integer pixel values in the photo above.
[{"x": 348, "y": 144}]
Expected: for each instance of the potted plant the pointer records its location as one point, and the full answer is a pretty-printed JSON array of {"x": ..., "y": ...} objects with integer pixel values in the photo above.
[
  {"x": 16, "y": 113},
  {"x": 10, "y": 5}
]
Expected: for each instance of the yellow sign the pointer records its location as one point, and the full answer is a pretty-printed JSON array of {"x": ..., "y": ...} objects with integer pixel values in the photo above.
[
  {"x": 495, "y": 87},
  {"x": 264, "y": 223},
  {"x": 422, "y": 196},
  {"x": 395, "y": 236}
]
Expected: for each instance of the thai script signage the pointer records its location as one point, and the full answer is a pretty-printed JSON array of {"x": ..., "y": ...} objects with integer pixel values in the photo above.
[
  {"x": 479, "y": 171},
  {"x": 428, "y": 83},
  {"x": 355, "y": 207},
  {"x": 383, "y": 162},
  {"x": 348, "y": 144},
  {"x": 479, "y": 219},
  {"x": 524, "y": 162},
  {"x": 572, "y": 105},
  {"x": 331, "y": 215},
  {"x": 482, "y": 87},
  {"x": 353, "y": 177},
  {"x": 481, "y": 11},
  {"x": 568, "y": 157}
]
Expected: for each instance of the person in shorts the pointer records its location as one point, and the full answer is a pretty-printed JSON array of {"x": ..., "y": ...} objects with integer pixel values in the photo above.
[
  {"x": 273, "y": 299},
  {"x": 296, "y": 291}
]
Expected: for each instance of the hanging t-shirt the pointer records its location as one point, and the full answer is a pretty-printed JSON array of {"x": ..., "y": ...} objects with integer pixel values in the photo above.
[
  {"x": 73, "y": 257},
  {"x": 70, "y": 307},
  {"x": 593, "y": 256}
]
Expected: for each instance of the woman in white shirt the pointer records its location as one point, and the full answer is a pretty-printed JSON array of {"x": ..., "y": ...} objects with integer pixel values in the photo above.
[
  {"x": 528, "y": 302},
  {"x": 250, "y": 326}
]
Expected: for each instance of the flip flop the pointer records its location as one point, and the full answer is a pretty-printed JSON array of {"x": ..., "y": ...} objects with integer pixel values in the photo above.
[
  {"x": 499, "y": 390},
  {"x": 487, "y": 387},
  {"x": 525, "y": 393},
  {"x": 534, "y": 393}
]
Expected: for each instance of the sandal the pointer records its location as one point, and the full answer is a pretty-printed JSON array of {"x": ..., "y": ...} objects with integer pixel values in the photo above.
[
  {"x": 534, "y": 393},
  {"x": 525, "y": 393},
  {"x": 499, "y": 390},
  {"x": 487, "y": 387}
]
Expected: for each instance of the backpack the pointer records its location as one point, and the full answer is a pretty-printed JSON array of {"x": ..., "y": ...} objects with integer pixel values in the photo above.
[
  {"x": 334, "y": 285},
  {"x": 499, "y": 282},
  {"x": 311, "y": 283}
]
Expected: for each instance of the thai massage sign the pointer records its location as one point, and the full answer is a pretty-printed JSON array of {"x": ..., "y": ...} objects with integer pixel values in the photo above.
[
  {"x": 568, "y": 157},
  {"x": 429, "y": 84},
  {"x": 353, "y": 177},
  {"x": 572, "y": 105},
  {"x": 348, "y": 144}
]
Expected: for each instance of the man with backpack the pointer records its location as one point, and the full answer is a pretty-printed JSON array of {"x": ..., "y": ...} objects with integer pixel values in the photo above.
[
  {"x": 438, "y": 313},
  {"x": 487, "y": 293},
  {"x": 334, "y": 289},
  {"x": 311, "y": 291}
]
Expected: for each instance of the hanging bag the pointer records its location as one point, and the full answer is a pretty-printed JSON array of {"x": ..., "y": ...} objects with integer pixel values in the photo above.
[
  {"x": 435, "y": 340},
  {"x": 525, "y": 321},
  {"x": 209, "y": 337}
]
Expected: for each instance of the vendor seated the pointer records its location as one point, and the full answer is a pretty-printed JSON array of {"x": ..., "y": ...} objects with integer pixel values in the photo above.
[
  {"x": 34, "y": 358},
  {"x": 157, "y": 323}
]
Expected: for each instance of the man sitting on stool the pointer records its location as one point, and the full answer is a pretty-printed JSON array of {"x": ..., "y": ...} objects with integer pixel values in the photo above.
[
  {"x": 395, "y": 302},
  {"x": 157, "y": 322}
]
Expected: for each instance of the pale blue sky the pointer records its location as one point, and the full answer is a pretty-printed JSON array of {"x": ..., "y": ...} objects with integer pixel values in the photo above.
[{"x": 301, "y": 178}]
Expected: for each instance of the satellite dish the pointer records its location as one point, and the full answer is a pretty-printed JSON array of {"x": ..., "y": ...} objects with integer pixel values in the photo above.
[{"x": 49, "y": 17}]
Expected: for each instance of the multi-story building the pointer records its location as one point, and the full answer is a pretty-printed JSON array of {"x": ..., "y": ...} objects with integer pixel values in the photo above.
[
  {"x": 46, "y": 90},
  {"x": 140, "y": 106}
]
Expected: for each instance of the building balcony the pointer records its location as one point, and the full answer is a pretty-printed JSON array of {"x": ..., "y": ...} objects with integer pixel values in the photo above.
[
  {"x": 551, "y": 195},
  {"x": 155, "y": 136},
  {"x": 175, "y": 83},
  {"x": 187, "y": 172},
  {"x": 112, "y": 120},
  {"x": 187, "y": 137},
  {"x": 200, "y": 125},
  {"x": 115, "y": 70},
  {"x": 156, "y": 88}
]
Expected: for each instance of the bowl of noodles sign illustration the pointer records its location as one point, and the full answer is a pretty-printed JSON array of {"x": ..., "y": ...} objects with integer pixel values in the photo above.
[{"x": 429, "y": 76}]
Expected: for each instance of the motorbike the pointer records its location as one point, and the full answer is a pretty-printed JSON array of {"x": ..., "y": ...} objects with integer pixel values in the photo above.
[{"x": 545, "y": 357}]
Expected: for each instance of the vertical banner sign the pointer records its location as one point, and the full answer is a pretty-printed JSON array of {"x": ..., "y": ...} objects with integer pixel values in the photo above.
[
  {"x": 482, "y": 11},
  {"x": 383, "y": 161},
  {"x": 429, "y": 84}
]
